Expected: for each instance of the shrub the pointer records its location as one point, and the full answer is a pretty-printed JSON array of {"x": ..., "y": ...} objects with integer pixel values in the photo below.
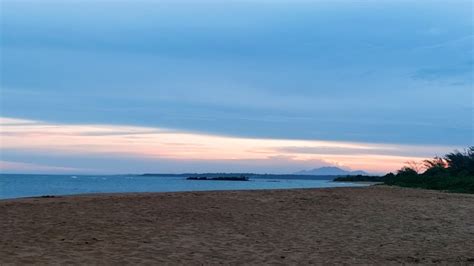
[{"x": 454, "y": 172}]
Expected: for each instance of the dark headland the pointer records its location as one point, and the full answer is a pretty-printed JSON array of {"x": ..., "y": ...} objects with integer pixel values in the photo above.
[{"x": 220, "y": 178}]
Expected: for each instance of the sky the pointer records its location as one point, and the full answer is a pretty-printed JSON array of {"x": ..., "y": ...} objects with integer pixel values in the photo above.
[{"x": 232, "y": 86}]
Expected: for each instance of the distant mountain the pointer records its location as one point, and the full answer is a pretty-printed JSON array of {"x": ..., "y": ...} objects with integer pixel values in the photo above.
[{"x": 329, "y": 170}]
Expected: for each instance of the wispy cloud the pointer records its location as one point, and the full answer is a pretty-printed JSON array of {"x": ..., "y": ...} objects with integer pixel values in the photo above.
[
  {"x": 263, "y": 69},
  {"x": 146, "y": 143},
  {"x": 446, "y": 43},
  {"x": 375, "y": 149},
  {"x": 462, "y": 71}
]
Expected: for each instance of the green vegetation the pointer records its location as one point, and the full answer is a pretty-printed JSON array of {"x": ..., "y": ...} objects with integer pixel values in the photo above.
[
  {"x": 454, "y": 172},
  {"x": 360, "y": 178}
]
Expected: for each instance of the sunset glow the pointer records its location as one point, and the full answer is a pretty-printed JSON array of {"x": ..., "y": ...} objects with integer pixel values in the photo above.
[
  {"x": 102, "y": 86},
  {"x": 161, "y": 143}
]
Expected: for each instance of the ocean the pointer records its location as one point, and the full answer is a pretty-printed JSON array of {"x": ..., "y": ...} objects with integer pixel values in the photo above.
[{"x": 18, "y": 186}]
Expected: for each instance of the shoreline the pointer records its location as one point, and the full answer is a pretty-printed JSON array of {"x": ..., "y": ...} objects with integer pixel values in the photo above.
[
  {"x": 356, "y": 185},
  {"x": 374, "y": 224},
  {"x": 159, "y": 193}
]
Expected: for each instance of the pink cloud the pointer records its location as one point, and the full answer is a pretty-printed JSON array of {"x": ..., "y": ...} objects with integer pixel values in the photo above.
[{"x": 161, "y": 143}]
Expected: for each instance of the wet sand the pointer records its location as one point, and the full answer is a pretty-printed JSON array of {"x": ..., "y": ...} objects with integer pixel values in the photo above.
[{"x": 377, "y": 225}]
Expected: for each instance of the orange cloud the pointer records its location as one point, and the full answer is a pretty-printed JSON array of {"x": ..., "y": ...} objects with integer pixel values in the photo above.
[{"x": 162, "y": 143}]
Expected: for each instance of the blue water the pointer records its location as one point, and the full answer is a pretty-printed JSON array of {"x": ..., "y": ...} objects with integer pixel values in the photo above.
[{"x": 16, "y": 186}]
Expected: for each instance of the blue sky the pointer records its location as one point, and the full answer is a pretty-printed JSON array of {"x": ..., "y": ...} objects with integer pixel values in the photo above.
[{"x": 386, "y": 72}]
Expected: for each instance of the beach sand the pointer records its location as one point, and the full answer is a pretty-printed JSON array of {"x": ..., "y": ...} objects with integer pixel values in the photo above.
[{"x": 375, "y": 224}]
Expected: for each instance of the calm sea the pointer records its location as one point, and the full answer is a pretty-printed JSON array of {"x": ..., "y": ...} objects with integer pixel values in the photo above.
[{"x": 16, "y": 186}]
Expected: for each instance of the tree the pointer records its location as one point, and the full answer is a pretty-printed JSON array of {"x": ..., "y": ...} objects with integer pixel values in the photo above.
[
  {"x": 436, "y": 162},
  {"x": 435, "y": 167},
  {"x": 407, "y": 171},
  {"x": 415, "y": 166},
  {"x": 461, "y": 163}
]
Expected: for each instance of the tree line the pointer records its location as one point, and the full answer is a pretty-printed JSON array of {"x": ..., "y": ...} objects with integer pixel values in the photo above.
[{"x": 452, "y": 172}]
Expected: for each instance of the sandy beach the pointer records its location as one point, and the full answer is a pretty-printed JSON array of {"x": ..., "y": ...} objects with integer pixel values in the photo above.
[{"x": 340, "y": 225}]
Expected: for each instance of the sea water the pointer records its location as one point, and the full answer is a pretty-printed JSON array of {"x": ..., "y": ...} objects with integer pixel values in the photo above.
[{"x": 16, "y": 186}]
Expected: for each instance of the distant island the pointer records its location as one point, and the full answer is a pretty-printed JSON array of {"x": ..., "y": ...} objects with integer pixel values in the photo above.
[
  {"x": 331, "y": 171},
  {"x": 322, "y": 173},
  {"x": 361, "y": 178},
  {"x": 220, "y": 178},
  {"x": 249, "y": 175}
]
